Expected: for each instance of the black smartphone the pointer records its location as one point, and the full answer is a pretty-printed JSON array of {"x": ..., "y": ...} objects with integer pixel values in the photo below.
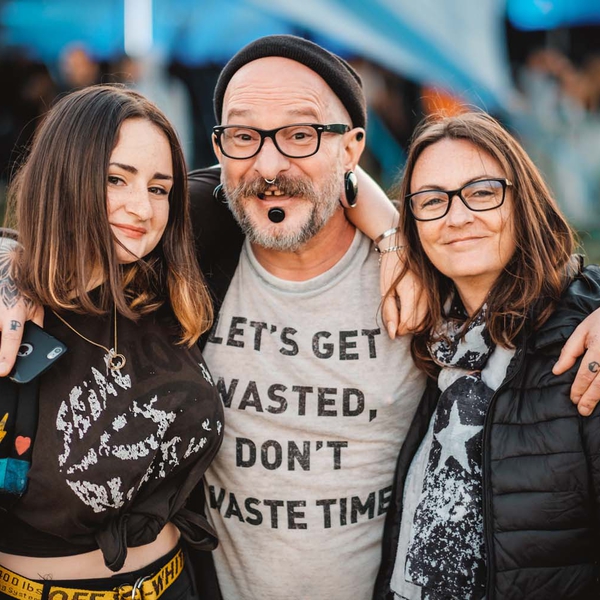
[{"x": 38, "y": 351}]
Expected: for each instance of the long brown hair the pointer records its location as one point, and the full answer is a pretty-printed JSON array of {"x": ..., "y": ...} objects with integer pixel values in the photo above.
[
  {"x": 536, "y": 274},
  {"x": 58, "y": 203}
]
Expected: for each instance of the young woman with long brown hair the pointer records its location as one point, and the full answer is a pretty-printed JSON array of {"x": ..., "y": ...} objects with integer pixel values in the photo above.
[{"x": 129, "y": 418}]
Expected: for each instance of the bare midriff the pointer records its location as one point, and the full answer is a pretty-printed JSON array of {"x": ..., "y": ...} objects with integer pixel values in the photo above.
[{"x": 90, "y": 565}]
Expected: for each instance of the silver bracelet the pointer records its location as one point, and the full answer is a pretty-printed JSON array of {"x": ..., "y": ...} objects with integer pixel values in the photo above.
[
  {"x": 386, "y": 233},
  {"x": 390, "y": 249}
]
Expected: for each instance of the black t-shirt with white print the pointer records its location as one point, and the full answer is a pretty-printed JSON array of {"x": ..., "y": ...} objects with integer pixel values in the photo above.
[{"x": 117, "y": 454}]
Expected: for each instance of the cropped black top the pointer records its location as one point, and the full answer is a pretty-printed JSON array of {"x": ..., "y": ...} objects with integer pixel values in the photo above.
[{"x": 117, "y": 454}]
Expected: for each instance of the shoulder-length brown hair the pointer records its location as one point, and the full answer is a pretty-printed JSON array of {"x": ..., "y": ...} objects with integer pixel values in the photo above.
[
  {"x": 535, "y": 276},
  {"x": 58, "y": 203}
]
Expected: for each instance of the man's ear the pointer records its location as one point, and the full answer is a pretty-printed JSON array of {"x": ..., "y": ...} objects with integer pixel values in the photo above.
[
  {"x": 354, "y": 146},
  {"x": 216, "y": 148}
]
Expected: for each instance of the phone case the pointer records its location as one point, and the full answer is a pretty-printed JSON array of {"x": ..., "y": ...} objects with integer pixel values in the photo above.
[{"x": 38, "y": 351}]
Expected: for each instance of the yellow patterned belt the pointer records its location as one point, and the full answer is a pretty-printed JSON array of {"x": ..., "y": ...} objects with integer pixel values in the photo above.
[{"x": 150, "y": 587}]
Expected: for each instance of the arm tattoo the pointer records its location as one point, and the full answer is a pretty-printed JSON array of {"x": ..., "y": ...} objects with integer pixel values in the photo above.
[{"x": 9, "y": 293}]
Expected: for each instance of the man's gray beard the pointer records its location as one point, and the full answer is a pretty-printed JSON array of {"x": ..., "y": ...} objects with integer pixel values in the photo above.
[{"x": 324, "y": 206}]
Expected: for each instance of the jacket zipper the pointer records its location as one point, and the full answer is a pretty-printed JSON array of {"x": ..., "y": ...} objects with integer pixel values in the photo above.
[{"x": 487, "y": 503}]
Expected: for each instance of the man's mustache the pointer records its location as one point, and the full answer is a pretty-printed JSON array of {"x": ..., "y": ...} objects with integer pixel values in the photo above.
[{"x": 289, "y": 186}]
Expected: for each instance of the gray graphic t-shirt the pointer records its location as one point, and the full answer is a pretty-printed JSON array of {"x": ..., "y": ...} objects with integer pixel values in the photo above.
[{"x": 318, "y": 400}]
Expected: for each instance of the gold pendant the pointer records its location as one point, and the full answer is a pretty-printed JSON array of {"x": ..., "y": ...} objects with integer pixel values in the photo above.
[{"x": 116, "y": 361}]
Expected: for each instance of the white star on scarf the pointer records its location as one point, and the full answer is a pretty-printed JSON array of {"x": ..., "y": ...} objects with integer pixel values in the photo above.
[{"x": 453, "y": 439}]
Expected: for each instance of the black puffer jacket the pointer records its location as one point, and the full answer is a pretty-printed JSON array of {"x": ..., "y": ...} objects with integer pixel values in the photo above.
[{"x": 541, "y": 471}]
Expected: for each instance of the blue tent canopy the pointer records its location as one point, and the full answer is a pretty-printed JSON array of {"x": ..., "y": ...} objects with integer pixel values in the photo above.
[
  {"x": 456, "y": 45},
  {"x": 550, "y": 14}
]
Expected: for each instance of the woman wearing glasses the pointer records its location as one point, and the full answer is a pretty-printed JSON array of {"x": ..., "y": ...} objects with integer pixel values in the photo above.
[{"x": 498, "y": 483}]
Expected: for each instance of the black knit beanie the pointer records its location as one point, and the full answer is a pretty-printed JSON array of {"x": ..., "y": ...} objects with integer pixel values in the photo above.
[{"x": 337, "y": 73}]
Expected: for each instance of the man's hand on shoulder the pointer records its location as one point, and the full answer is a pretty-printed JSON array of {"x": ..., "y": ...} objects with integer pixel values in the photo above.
[
  {"x": 14, "y": 308},
  {"x": 585, "y": 391}
]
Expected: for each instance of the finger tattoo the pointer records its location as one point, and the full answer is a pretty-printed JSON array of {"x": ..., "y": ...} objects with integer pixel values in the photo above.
[
  {"x": 14, "y": 325},
  {"x": 594, "y": 367}
]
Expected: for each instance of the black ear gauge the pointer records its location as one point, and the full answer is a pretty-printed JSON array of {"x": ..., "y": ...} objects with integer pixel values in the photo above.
[
  {"x": 219, "y": 194},
  {"x": 359, "y": 136},
  {"x": 350, "y": 189}
]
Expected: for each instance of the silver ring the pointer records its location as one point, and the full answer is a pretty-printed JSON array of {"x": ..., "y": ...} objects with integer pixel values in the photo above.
[{"x": 270, "y": 181}]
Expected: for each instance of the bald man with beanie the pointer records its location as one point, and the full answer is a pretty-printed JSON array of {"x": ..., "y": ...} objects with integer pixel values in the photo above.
[{"x": 318, "y": 398}]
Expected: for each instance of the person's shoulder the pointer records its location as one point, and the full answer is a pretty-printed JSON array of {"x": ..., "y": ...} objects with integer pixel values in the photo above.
[
  {"x": 217, "y": 235},
  {"x": 580, "y": 298},
  {"x": 208, "y": 174},
  {"x": 205, "y": 210},
  {"x": 591, "y": 273},
  {"x": 583, "y": 292},
  {"x": 202, "y": 183}
]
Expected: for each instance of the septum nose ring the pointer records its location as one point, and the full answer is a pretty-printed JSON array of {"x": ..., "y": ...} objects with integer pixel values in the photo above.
[{"x": 270, "y": 181}]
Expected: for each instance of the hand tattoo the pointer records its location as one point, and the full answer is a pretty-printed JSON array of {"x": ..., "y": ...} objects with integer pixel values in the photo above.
[
  {"x": 9, "y": 292},
  {"x": 594, "y": 367},
  {"x": 14, "y": 325}
]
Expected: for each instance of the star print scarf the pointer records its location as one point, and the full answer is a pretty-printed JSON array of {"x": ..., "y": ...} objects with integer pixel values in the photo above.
[{"x": 446, "y": 549}]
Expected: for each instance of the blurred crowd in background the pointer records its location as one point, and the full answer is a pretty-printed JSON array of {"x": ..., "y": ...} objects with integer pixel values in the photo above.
[{"x": 557, "y": 114}]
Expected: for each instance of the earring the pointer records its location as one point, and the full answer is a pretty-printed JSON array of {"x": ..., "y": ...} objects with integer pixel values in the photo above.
[
  {"x": 219, "y": 194},
  {"x": 350, "y": 189}
]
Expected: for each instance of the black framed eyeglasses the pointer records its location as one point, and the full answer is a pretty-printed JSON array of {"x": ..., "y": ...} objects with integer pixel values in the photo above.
[
  {"x": 478, "y": 196},
  {"x": 294, "y": 141}
]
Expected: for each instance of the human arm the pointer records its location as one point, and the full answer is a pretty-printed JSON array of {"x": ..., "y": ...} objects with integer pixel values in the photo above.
[
  {"x": 374, "y": 214},
  {"x": 14, "y": 308},
  {"x": 585, "y": 391}
]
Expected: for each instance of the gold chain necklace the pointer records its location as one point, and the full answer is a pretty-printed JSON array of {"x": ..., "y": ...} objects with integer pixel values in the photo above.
[{"x": 116, "y": 361}]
